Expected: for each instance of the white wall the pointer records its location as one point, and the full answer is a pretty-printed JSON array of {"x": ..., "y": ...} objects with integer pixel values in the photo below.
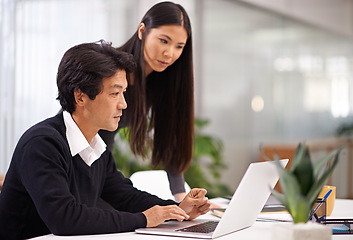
[{"x": 333, "y": 15}]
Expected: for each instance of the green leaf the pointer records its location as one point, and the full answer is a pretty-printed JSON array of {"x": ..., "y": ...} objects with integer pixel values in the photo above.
[
  {"x": 200, "y": 123},
  {"x": 290, "y": 186},
  {"x": 280, "y": 197},
  {"x": 264, "y": 154},
  {"x": 300, "y": 212},
  {"x": 299, "y": 153},
  {"x": 318, "y": 165},
  {"x": 304, "y": 172},
  {"x": 320, "y": 182}
]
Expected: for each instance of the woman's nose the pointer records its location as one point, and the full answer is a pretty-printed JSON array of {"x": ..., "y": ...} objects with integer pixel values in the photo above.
[{"x": 168, "y": 52}]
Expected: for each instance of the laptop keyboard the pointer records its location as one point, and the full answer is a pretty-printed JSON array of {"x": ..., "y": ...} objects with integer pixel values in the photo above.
[{"x": 205, "y": 227}]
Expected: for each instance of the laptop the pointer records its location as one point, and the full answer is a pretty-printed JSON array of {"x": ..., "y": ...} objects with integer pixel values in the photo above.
[{"x": 243, "y": 209}]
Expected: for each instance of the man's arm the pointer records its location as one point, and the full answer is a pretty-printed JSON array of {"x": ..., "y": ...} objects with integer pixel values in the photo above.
[
  {"x": 119, "y": 192},
  {"x": 45, "y": 174}
]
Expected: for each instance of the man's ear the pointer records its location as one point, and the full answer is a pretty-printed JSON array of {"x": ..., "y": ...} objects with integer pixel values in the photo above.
[
  {"x": 79, "y": 97},
  {"x": 140, "y": 30}
]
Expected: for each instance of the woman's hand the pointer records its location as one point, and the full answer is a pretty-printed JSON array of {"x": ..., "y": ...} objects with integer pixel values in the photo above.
[
  {"x": 179, "y": 197},
  {"x": 195, "y": 203}
]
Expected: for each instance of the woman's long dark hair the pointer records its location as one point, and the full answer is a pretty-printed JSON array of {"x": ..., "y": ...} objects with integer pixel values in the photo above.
[{"x": 164, "y": 102}]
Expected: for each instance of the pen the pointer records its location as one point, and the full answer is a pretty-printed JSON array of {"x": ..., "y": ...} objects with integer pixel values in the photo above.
[
  {"x": 319, "y": 205},
  {"x": 327, "y": 194}
]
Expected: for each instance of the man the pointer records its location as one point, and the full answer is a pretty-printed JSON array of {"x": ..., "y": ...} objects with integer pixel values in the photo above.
[{"x": 60, "y": 167}]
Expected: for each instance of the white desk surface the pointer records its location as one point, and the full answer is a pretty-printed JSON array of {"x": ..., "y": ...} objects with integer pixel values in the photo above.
[{"x": 260, "y": 230}]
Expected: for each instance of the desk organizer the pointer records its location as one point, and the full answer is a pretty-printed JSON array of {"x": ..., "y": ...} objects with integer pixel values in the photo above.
[
  {"x": 319, "y": 211},
  {"x": 339, "y": 226}
]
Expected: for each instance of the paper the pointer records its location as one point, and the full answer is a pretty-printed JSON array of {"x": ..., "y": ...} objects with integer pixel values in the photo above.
[
  {"x": 217, "y": 212},
  {"x": 273, "y": 216}
]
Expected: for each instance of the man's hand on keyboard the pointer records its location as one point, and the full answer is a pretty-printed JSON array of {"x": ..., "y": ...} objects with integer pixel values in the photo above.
[
  {"x": 158, "y": 214},
  {"x": 195, "y": 203}
]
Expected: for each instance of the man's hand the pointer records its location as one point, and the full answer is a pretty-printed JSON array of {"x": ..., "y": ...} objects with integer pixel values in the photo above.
[
  {"x": 195, "y": 203},
  {"x": 158, "y": 214}
]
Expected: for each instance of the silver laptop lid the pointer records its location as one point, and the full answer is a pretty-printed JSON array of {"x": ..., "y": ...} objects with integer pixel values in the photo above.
[{"x": 249, "y": 198}]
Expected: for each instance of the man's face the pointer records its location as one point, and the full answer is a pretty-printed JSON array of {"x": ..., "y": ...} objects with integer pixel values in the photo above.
[{"x": 105, "y": 110}]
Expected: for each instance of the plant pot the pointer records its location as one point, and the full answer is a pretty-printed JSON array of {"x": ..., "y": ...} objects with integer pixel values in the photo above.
[{"x": 302, "y": 231}]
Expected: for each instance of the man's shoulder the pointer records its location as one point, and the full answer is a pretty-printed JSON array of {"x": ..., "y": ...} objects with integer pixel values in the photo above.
[{"x": 52, "y": 127}]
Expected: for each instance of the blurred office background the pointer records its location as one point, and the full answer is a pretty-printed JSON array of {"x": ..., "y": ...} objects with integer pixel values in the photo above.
[{"x": 274, "y": 72}]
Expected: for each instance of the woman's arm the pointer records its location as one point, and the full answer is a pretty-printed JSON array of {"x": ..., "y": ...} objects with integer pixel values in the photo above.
[{"x": 177, "y": 185}]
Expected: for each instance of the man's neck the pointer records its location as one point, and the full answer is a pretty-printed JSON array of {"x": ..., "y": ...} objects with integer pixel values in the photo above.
[{"x": 83, "y": 125}]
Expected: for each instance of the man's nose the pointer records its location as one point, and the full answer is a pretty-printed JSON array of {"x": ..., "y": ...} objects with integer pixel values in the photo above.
[{"x": 122, "y": 103}]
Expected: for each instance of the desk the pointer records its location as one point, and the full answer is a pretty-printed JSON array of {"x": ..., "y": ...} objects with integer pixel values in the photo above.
[{"x": 260, "y": 230}]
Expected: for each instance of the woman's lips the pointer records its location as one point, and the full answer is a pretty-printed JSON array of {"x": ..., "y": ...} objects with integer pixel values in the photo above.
[{"x": 165, "y": 64}]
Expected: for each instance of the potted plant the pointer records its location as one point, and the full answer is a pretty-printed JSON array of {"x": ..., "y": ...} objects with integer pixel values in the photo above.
[{"x": 301, "y": 185}]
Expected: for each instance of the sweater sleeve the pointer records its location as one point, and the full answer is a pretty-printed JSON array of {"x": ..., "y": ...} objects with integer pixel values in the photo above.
[
  {"x": 44, "y": 171},
  {"x": 176, "y": 182},
  {"x": 119, "y": 192}
]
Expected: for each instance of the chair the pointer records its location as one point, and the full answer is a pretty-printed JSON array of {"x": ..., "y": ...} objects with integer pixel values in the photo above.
[{"x": 154, "y": 182}]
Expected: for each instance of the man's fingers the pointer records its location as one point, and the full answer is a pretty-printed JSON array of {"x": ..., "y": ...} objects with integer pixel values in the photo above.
[
  {"x": 177, "y": 217},
  {"x": 158, "y": 214},
  {"x": 176, "y": 212}
]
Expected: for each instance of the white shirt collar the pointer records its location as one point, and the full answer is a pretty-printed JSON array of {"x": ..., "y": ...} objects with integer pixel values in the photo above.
[{"x": 78, "y": 143}]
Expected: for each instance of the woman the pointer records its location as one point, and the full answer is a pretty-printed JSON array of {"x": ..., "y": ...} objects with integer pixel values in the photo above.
[{"x": 160, "y": 95}]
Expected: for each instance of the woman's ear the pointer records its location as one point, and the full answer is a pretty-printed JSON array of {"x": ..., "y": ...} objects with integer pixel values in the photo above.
[{"x": 140, "y": 30}]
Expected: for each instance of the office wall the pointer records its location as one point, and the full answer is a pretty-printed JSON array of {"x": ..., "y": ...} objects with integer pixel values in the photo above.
[
  {"x": 261, "y": 76},
  {"x": 335, "y": 16},
  {"x": 270, "y": 79}
]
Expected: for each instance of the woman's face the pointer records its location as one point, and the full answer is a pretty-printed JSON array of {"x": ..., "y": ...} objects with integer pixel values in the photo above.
[{"x": 163, "y": 46}]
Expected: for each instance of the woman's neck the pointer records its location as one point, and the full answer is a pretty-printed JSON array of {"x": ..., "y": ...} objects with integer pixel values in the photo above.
[{"x": 148, "y": 70}]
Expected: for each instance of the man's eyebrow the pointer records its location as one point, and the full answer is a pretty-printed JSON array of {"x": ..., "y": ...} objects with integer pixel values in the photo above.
[
  {"x": 117, "y": 86},
  {"x": 166, "y": 36}
]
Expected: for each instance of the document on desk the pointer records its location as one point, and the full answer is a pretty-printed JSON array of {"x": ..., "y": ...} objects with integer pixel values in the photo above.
[
  {"x": 270, "y": 212},
  {"x": 278, "y": 216},
  {"x": 274, "y": 211},
  {"x": 282, "y": 216}
]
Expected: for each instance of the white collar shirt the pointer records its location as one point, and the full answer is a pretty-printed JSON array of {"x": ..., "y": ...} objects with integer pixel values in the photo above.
[{"x": 78, "y": 144}]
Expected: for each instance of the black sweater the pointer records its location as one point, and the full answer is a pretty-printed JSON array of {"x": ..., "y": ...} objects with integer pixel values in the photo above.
[{"x": 46, "y": 190}]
